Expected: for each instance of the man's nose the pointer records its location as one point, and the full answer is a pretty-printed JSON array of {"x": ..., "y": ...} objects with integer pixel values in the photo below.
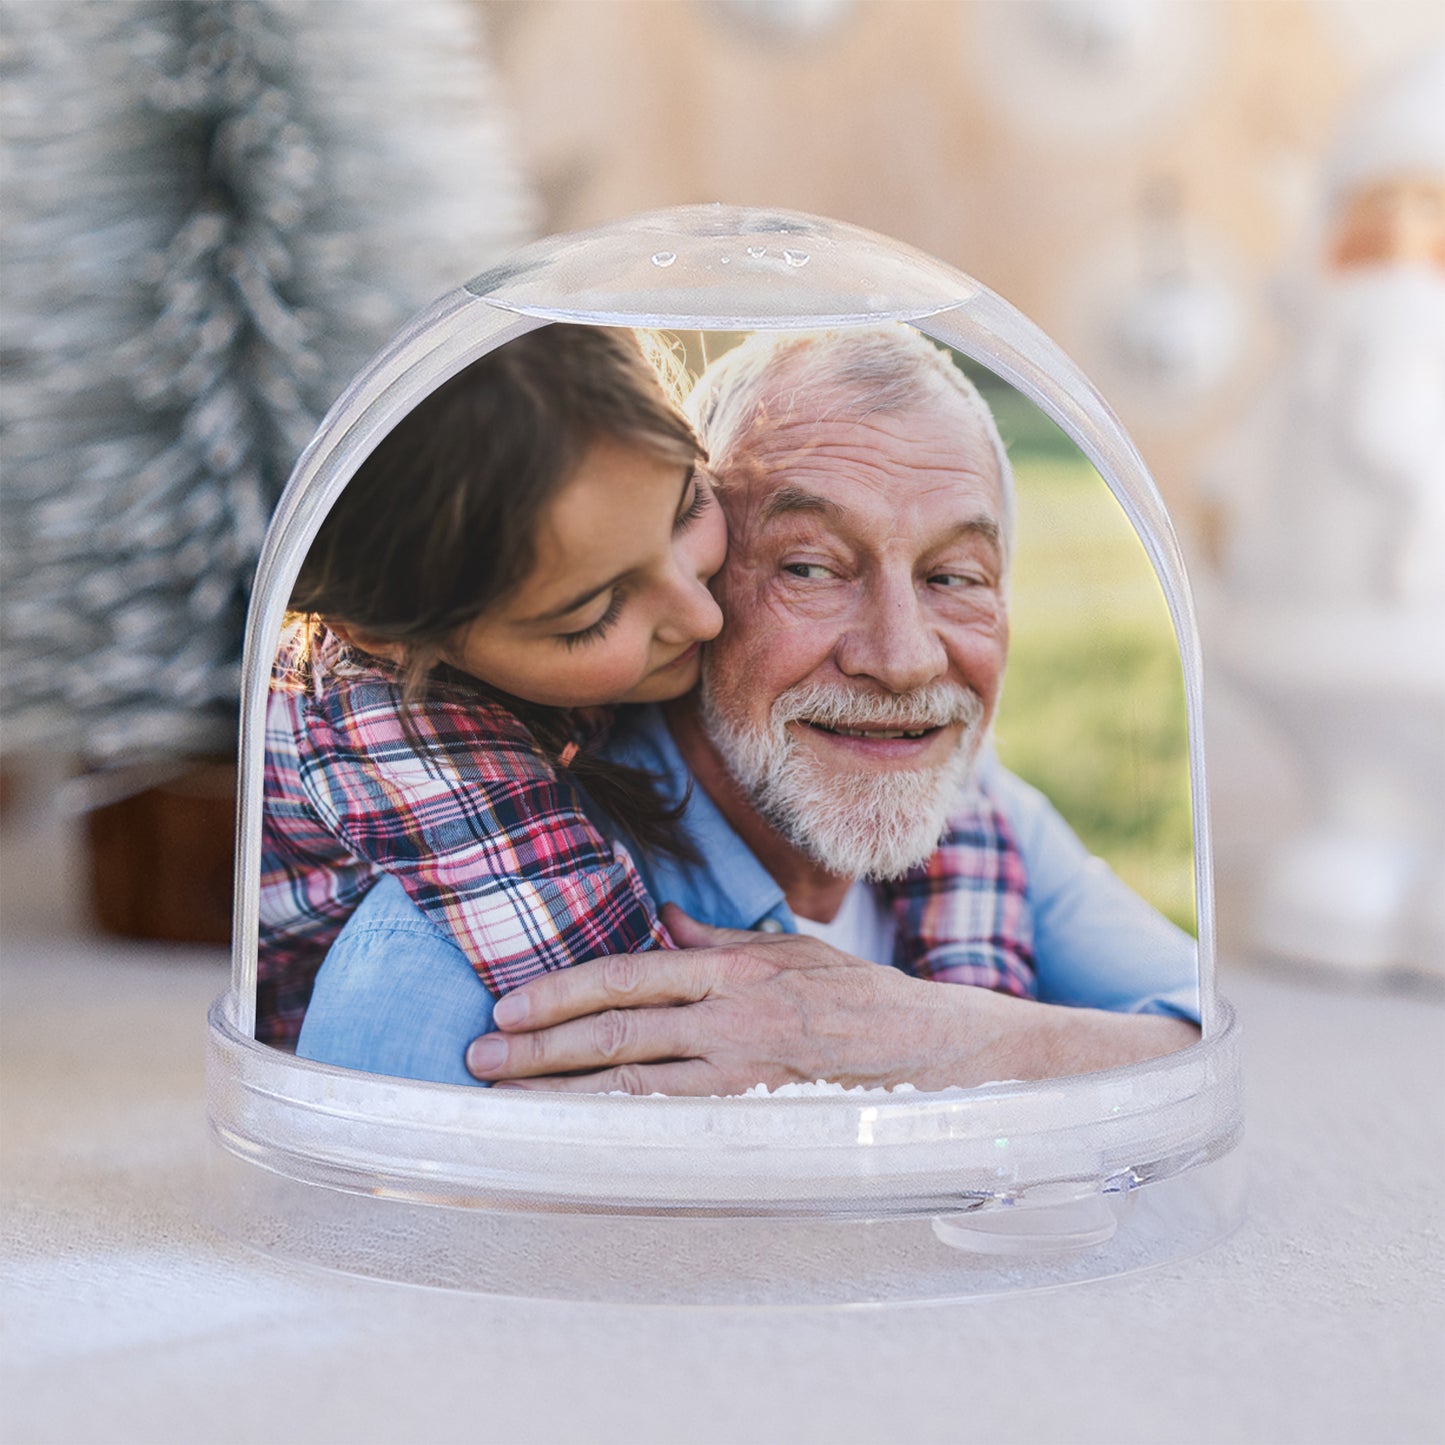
[{"x": 892, "y": 639}]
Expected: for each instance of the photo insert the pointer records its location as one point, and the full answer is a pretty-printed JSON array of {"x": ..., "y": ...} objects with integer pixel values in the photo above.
[{"x": 704, "y": 713}]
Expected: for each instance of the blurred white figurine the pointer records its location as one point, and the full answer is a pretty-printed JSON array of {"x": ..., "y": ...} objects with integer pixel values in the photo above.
[{"x": 1330, "y": 618}]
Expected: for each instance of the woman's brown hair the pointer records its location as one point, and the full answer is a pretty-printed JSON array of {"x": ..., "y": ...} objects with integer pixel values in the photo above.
[{"x": 438, "y": 524}]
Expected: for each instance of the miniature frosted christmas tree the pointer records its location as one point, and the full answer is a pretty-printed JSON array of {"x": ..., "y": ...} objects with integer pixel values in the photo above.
[{"x": 215, "y": 212}]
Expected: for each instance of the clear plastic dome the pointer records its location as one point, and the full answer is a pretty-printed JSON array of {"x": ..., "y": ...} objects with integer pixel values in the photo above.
[{"x": 742, "y": 1200}]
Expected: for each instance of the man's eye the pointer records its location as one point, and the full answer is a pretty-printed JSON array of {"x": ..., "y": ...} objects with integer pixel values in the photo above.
[
  {"x": 956, "y": 579},
  {"x": 810, "y": 571}
]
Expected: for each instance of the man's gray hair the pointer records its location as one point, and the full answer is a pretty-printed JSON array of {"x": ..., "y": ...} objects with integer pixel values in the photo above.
[{"x": 851, "y": 372}]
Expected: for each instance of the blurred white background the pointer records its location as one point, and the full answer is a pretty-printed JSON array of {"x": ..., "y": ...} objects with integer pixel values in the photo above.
[{"x": 1033, "y": 145}]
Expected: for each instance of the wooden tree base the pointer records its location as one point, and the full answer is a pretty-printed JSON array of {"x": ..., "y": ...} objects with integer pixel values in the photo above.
[{"x": 161, "y": 860}]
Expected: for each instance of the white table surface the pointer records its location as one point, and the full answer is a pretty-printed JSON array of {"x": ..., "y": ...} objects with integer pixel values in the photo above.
[{"x": 128, "y": 1319}]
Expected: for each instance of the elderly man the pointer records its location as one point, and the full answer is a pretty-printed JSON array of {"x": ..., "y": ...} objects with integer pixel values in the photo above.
[{"x": 835, "y": 744}]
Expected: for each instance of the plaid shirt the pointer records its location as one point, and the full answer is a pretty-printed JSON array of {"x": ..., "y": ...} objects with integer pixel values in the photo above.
[
  {"x": 963, "y": 916},
  {"x": 477, "y": 826},
  {"x": 497, "y": 850}
]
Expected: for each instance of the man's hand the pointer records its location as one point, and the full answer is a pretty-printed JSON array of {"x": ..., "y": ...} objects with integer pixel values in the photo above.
[
  {"x": 734, "y": 1009},
  {"x": 731, "y": 1010}
]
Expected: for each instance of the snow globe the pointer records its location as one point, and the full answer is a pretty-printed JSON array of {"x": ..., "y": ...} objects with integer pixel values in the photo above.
[{"x": 810, "y": 1198}]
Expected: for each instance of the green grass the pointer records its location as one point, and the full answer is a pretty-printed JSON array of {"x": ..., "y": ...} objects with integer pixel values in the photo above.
[{"x": 1093, "y": 707}]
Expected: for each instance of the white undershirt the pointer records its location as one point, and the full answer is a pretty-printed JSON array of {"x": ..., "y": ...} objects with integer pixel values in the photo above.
[{"x": 864, "y": 926}]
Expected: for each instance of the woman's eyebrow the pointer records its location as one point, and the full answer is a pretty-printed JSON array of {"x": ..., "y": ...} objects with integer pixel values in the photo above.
[{"x": 687, "y": 477}]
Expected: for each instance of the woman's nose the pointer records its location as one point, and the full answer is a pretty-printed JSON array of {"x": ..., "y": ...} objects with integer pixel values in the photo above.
[{"x": 693, "y": 614}]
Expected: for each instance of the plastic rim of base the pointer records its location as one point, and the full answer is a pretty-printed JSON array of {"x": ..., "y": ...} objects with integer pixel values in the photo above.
[{"x": 722, "y": 1201}]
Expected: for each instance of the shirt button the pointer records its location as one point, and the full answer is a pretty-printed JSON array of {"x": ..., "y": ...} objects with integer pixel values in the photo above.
[{"x": 770, "y": 925}]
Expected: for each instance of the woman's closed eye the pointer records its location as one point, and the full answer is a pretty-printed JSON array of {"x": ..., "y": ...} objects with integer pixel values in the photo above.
[
  {"x": 598, "y": 629},
  {"x": 699, "y": 500}
]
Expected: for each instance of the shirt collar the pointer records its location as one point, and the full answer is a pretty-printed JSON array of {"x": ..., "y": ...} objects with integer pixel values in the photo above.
[{"x": 729, "y": 888}]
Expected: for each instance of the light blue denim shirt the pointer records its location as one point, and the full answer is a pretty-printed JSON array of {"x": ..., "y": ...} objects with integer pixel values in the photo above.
[{"x": 397, "y": 996}]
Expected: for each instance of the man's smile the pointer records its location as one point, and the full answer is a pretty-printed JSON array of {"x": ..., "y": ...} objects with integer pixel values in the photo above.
[
  {"x": 883, "y": 733},
  {"x": 874, "y": 746}
]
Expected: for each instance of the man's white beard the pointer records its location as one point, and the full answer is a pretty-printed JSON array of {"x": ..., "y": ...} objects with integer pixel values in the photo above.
[{"x": 862, "y": 823}]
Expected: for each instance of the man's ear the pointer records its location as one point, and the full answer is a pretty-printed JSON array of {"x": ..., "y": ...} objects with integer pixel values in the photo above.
[{"x": 368, "y": 642}]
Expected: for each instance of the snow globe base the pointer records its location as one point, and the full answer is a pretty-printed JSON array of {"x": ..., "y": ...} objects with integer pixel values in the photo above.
[{"x": 832, "y": 1200}]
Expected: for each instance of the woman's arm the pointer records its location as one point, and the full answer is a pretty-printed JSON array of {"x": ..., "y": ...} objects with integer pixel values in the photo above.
[
  {"x": 480, "y": 830},
  {"x": 395, "y": 996}
]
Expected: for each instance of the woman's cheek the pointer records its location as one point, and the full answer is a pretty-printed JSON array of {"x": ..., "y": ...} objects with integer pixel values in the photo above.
[{"x": 623, "y": 671}]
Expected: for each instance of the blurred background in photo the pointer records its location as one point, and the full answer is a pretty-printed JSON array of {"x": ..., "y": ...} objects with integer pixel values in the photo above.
[{"x": 1230, "y": 213}]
